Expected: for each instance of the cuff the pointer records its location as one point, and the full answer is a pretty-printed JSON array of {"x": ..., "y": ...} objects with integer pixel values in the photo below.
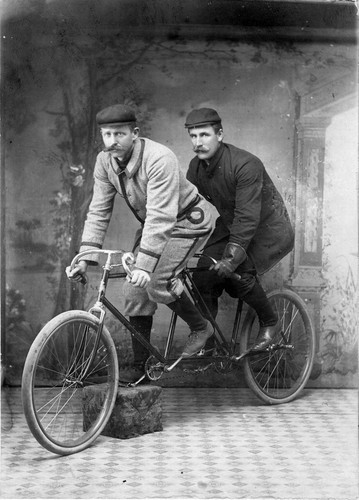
[
  {"x": 147, "y": 260},
  {"x": 91, "y": 259},
  {"x": 234, "y": 254}
]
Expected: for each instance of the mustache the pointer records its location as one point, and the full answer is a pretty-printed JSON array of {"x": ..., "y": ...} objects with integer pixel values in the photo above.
[
  {"x": 114, "y": 147},
  {"x": 202, "y": 149}
]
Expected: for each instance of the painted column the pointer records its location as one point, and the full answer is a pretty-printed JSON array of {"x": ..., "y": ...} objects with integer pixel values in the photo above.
[{"x": 307, "y": 277}]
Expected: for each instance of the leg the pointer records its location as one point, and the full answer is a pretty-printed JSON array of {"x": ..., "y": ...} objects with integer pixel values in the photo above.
[
  {"x": 135, "y": 373},
  {"x": 268, "y": 320},
  {"x": 210, "y": 286},
  {"x": 143, "y": 324},
  {"x": 201, "y": 329},
  {"x": 140, "y": 309},
  {"x": 187, "y": 237},
  {"x": 250, "y": 290}
]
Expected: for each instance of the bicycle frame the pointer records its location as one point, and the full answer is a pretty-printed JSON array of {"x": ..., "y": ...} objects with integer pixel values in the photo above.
[{"x": 226, "y": 349}]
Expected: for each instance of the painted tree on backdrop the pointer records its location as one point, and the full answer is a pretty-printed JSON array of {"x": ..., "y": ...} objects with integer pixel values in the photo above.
[
  {"x": 81, "y": 75},
  {"x": 84, "y": 79},
  {"x": 88, "y": 72}
]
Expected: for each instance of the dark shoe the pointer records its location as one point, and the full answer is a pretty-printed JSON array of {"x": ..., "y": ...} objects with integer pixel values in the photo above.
[
  {"x": 132, "y": 375},
  {"x": 266, "y": 336},
  {"x": 197, "y": 340}
]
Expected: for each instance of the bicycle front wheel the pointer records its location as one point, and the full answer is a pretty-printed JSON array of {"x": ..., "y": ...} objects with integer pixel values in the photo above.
[
  {"x": 278, "y": 374},
  {"x": 68, "y": 365}
]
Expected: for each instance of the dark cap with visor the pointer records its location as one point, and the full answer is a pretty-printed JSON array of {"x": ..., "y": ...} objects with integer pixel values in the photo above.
[
  {"x": 116, "y": 115},
  {"x": 202, "y": 116}
]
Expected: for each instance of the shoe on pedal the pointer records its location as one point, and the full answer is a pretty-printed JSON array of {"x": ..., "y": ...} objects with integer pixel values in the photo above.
[
  {"x": 266, "y": 336},
  {"x": 197, "y": 340}
]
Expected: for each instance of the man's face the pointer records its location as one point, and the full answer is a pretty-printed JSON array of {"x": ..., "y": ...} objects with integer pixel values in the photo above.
[
  {"x": 119, "y": 140},
  {"x": 205, "y": 141}
]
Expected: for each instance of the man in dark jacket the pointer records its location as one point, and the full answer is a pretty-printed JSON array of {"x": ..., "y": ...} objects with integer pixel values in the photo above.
[{"x": 253, "y": 231}]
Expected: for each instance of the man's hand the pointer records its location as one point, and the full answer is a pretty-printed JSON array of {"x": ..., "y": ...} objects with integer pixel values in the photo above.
[
  {"x": 222, "y": 268},
  {"x": 232, "y": 257},
  {"x": 139, "y": 278},
  {"x": 78, "y": 272}
]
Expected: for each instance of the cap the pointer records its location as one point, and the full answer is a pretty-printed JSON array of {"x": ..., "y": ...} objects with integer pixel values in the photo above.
[
  {"x": 118, "y": 114},
  {"x": 202, "y": 116}
]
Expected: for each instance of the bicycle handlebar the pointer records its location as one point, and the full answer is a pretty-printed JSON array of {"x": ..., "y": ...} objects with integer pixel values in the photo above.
[
  {"x": 199, "y": 255},
  {"x": 233, "y": 275},
  {"x": 111, "y": 253},
  {"x": 81, "y": 255}
]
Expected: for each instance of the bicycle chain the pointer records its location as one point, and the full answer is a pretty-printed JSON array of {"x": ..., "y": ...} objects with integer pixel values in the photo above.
[
  {"x": 179, "y": 372},
  {"x": 213, "y": 365}
]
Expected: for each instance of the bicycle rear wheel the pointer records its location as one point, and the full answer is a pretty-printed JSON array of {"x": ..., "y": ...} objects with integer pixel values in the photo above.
[
  {"x": 67, "y": 361},
  {"x": 279, "y": 374}
]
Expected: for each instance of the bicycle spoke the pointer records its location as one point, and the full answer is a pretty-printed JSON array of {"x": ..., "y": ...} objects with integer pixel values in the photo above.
[
  {"x": 59, "y": 410},
  {"x": 51, "y": 401}
]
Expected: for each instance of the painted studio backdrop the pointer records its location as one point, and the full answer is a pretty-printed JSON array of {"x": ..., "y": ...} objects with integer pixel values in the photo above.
[{"x": 286, "y": 91}]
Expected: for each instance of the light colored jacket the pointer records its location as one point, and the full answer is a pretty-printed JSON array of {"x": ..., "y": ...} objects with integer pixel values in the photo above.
[{"x": 157, "y": 192}]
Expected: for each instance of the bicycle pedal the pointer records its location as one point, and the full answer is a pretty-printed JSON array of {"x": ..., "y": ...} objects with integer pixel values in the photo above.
[{"x": 206, "y": 353}]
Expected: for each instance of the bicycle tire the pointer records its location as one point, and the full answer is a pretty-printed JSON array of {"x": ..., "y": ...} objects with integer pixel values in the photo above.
[
  {"x": 55, "y": 385},
  {"x": 278, "y": 375}
]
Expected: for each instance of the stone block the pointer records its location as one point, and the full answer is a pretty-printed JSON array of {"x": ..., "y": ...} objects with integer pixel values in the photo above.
[{"x": 137, "y": 411}]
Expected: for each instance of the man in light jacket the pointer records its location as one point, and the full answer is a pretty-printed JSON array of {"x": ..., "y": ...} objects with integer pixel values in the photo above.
[{"x": 175, "y": 221}]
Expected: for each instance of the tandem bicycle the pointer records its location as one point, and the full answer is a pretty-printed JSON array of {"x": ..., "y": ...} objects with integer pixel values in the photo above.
[{"x": 75, "y": 351}]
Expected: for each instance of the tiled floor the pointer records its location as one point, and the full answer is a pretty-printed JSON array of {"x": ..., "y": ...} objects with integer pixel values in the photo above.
[{"x": 216, "y": 443}]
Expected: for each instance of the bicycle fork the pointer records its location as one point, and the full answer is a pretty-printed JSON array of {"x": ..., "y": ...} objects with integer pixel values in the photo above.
[{"x": 98, "y": 310}]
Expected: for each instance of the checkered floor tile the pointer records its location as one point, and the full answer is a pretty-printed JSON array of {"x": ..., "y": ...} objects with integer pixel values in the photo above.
[{"x": 216, "y": 443}]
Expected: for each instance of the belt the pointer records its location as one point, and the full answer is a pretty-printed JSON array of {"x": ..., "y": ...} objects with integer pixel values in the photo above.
[{"x": 189, "y": 207}]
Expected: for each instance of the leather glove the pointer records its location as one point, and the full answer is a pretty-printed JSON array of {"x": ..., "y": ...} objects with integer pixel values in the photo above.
[{"x": 232, "y": 257}]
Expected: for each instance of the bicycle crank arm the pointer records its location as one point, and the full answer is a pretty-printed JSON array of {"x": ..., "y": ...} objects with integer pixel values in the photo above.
[
  {"x": 138, "y": 381},
  {"x": 273, "y": 347},
  {"x": 170, "y": 368},
  {"x": 247, "y": 353},
  {"x": 241, "y": 356},
  {"x": 132, "y": 384}
]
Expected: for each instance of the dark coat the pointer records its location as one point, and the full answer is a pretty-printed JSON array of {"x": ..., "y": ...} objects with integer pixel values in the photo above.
[{"x": 252, "y": 212}]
